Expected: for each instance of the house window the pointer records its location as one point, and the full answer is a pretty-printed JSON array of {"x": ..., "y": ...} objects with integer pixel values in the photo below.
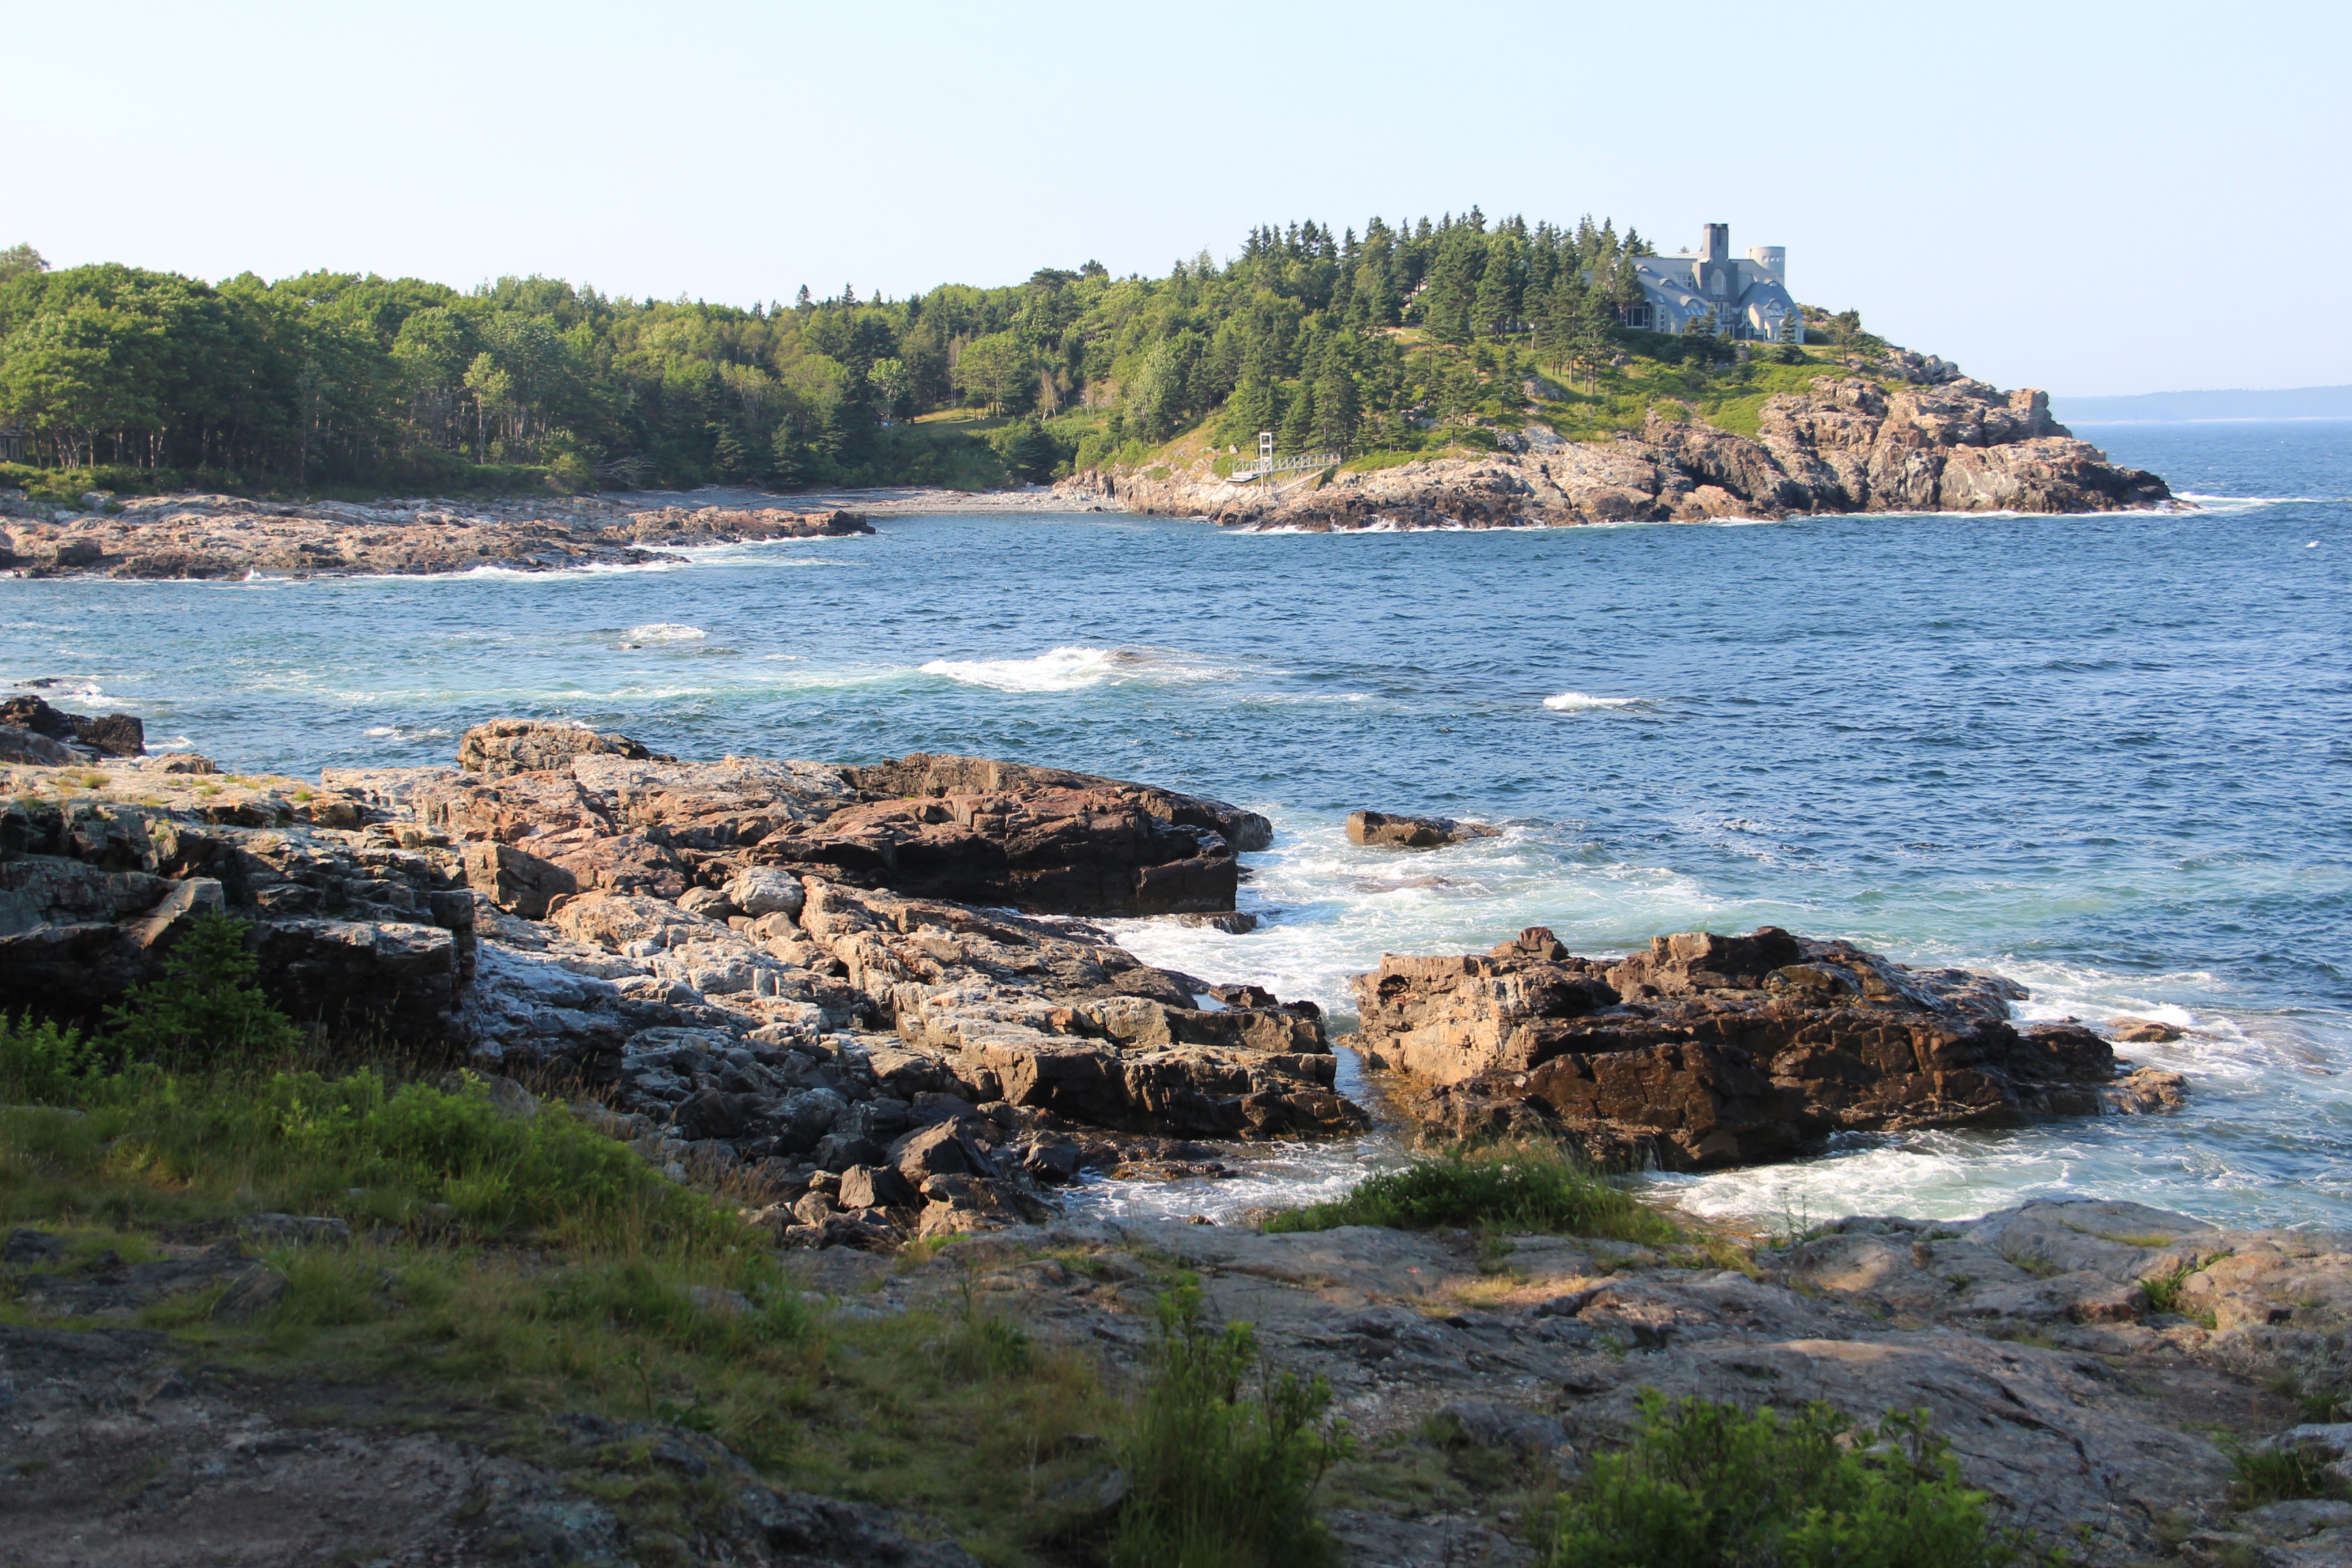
[{"x": 1638, "y": 316}]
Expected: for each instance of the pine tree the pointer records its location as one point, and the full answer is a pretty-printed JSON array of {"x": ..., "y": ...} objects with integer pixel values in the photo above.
[
  {"x": 1297, "y": 422},
  {"x": 1595, "y": 338},
  {"x": 727, "y": 453},
  {"x": 1335, "y": 411},
  {"x": 1497, "y": 307},
  {"x": 787, "y": 461}
]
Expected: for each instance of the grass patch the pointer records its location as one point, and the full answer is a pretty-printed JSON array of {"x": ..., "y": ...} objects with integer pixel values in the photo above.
[
  {"x": 1706, "y": 1485},
  {"x": 2169, "y": 1292},
  {"x": 1504, "y": 1188},
  {"x": 2281, "y": 1473},
  {"x": 1373, "y": 462}
]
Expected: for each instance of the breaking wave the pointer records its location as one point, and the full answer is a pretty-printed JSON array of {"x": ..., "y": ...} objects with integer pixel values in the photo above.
[
  {"x": 1576, "y": 702},
  {"x": 664, "y": 631}
]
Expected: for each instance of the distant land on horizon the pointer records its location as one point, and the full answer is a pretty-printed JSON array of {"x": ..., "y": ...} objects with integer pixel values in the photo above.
[{"x": 2178, "y": 407}]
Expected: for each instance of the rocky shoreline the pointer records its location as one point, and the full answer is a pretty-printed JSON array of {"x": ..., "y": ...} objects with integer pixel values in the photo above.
[
  {"x": 212, "y": 536},
  {"x": 866, "y": 999},
  {"x": 1852, "y": 444},
  {"x": 872, "y": 992}
]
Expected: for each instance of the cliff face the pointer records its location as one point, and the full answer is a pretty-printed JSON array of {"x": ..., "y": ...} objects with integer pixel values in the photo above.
[{"x": 1848, "y": 444}]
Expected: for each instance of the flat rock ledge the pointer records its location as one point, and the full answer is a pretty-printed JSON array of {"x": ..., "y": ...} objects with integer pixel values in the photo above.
[
  {"x": 210, "y": 536},
  {"x": 1711, "y": 1050}
]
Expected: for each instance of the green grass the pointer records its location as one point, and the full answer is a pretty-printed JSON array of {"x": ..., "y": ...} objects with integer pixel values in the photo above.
[
  {"x": 1705, "y": 1485},
  {"x": 2268, "y": 1474},
  {"x": 507, "y": 1267},
  {"x": 1504, "y": 1188},
  {"x": 2168, "y": 1291},
  {"x": 1221, "y": 1473}
]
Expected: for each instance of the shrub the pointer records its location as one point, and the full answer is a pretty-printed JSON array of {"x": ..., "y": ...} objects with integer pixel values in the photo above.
[
  {"x": 1220, "y": 1476},
  {"x": 1711, "y": 1486},
  {"x": 205, "y": 1007},
  {"x": 41, "y": 1064},
  {"x": 1529, "y": 1187}
]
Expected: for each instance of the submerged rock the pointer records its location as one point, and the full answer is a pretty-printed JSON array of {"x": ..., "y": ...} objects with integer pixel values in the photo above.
[{"x": 1711, "y": 1050}]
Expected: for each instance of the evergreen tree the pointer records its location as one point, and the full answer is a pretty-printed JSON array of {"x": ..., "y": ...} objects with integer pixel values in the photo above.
[
  {"x": 787, "y": 461},
  {"x": 727, "y": 457},
  {"x": 1497, "y": 311},
  {"x": 1336, "y": 412},
  {"x": 1297, "y": 421}
]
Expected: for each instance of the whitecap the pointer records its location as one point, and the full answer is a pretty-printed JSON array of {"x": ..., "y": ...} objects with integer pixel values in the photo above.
[
  {"x": 1055, "y": 669},
  {"x": 1576, "y": 702},
  {"x": 665, "y": 631}
]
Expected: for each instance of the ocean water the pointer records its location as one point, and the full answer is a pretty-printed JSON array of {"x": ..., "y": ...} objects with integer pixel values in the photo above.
[{"x": 2109, "y": 756}]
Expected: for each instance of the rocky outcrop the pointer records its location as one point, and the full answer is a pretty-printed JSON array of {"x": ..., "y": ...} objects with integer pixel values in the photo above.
[
  {"x": 108, "y": 735},
  {"x": 208, "y": 536},
  {"x": 505, "y": 746},
  {"x": 1853, "y": 443},
  {"x": 668, "y": 935},
  {"x": 1713, "y": 1050},
  {"x": 1385, "y": 830},
  {"x": 354, "y": 931}
]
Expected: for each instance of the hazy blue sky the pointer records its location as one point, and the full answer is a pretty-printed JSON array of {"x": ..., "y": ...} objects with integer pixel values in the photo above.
[{"x": 2091, "y": 197}]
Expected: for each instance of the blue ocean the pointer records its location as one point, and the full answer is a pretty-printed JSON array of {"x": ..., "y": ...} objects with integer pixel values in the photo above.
[{"x": 2109, "y": 756}]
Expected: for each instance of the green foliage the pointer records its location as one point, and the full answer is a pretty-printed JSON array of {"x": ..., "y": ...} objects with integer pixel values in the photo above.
[
  {"x": 1221, "y": 1473},
  {"x": 41, "y": 1064},
  {"x": 331, "y": 380},
  {"x": 20, "y": 259},
  {"x": 1518, "y": 1187},
  {"x": 205, "y": 1005},
  {"x": 1706, "y": 1485},
  {"x": 2166, "y": 1292},
  {"x": 2275, "y": 1473}
]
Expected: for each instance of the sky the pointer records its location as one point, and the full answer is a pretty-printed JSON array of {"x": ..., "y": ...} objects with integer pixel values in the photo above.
[{"x": 2082, "y": 196}]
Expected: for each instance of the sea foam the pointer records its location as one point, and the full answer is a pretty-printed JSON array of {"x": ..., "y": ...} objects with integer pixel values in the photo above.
[
  {"x": 1576, "y": 702},
  {"x": 664, "y": 631},
  {"x": 1055, "y": 669}
]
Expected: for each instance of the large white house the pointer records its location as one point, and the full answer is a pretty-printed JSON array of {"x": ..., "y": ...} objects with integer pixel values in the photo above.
[{"x": 1746, "y": 298}]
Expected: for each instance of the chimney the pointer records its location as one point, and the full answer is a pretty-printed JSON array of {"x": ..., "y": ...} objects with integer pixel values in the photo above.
[{"x": 1716, "y": 246}]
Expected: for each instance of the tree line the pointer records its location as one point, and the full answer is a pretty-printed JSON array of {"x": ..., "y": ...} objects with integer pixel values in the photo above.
[{"x": 1343, "y": 339}]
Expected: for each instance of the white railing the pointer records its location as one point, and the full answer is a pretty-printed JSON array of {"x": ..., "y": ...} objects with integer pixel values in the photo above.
[{"x": 1296, "y": 463}]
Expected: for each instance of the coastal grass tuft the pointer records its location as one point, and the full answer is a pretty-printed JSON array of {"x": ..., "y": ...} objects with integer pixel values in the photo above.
[
  {"x": 1224, "y": 1455},
  {"x": 2269, "y": 1473},
  {"x": 1501, "y": 1188},
  {"x": 1706, "y": 1485}
]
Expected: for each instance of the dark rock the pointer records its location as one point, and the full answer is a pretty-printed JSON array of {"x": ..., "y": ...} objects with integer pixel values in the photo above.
[
  {"x": 1384, "y": 830},
  {"x": 876, "y": 1186},
  {"x": 516, "y": 880},
  {"x": 934, "y": 1151},
  {"x": 2143, "y": 1031},
  {"x": 29, "y": 1246},
  {"x": 840, "y": 1151}
]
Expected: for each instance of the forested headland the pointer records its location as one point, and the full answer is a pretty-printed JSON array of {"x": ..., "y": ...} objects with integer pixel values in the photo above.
[{"x": 1407, "y": 338}]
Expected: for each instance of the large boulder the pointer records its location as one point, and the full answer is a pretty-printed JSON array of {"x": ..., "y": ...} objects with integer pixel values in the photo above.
[
  {"x": 1710, "y": 1050},
  {"x": 505, "y": 746},
  {"x": 1050, "y": 850},
  {"x": 923, "y": 775},
  {"x": 1386, "y": 830},
  {"x": 107, "y": 734}
]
